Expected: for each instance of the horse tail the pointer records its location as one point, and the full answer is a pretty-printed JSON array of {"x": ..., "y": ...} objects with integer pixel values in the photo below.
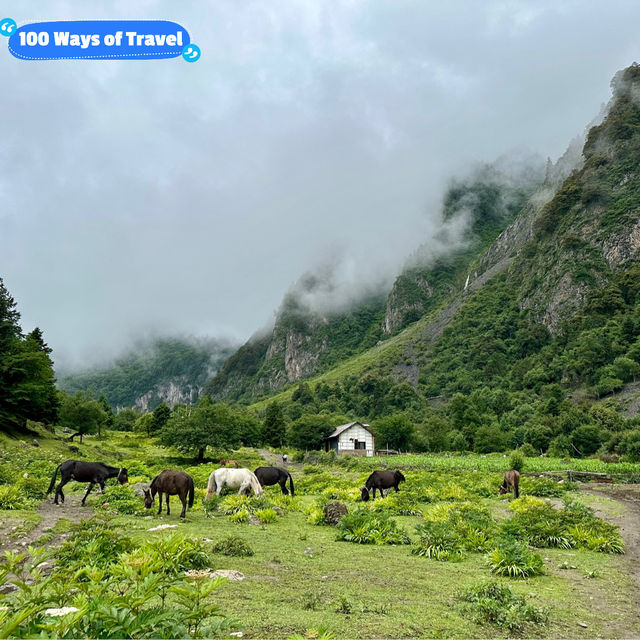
[
  {"x": 192, "y": 491},
  {"x": 516, "y": 482},
  {"x": 211, "y": 487},
  {"x": 53, "y": 480},
  {"x": 255, "y": 483},
  {"x": 290, "y": 484}
]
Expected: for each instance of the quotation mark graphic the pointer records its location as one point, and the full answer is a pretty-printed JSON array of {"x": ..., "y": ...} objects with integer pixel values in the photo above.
[
  {"x": 7, "y": 26},
  {"x": 191, "y": 53}
]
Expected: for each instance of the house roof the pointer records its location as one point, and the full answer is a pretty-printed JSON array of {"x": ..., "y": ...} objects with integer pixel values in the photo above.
[{"x": 344, "y": 427}]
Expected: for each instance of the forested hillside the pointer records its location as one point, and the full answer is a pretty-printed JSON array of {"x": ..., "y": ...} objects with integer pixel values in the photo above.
[
  {"x": 533, "y": 347},
  {"x": 308, "y": 338},
  {"x": 171, "y": 370}
]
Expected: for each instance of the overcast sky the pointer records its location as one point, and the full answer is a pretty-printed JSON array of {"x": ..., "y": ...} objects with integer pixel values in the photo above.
[{"x": 167, "y": 197}]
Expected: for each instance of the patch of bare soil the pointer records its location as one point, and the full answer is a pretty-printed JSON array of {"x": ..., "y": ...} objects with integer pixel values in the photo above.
[
  {"x": 50, "y": 514},
  {"x": 629, "y": 522},
  {"x": 275, "y": 460}
]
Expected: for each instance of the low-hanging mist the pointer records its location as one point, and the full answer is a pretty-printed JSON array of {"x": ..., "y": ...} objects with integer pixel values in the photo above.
[{"x": 166, "y": 198}]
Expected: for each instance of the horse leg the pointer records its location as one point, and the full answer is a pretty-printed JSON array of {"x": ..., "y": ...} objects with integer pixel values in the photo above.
[
  {"x": 219, "y": 488},
  {"x": 283, "y": 488},
  {"x": 183, "y": 499},
  {"x": 373, "y": 495},
  {"x": 168, "y": 512},
  {"x": 59, "y": 492},
  {"x": 159, "y": 503},
  {"x": 91, "y": 484},
  {"x": 396, "y": 487}
]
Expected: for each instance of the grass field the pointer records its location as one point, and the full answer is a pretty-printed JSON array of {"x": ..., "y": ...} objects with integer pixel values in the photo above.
[{"x": 301, "y": 581}]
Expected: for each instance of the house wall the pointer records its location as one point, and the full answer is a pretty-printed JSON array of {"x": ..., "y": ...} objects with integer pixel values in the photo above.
[{"x": 346, "y": 441}]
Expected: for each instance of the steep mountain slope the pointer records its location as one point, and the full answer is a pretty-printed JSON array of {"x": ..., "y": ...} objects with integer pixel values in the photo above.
[
  {"x": 171, "y": 370},
  {"x": 546, "y": 324},
  {"x": 313, "y": 330}
]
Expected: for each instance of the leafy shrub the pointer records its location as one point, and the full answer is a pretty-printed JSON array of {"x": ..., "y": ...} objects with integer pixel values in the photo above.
[
  {"x": 211, "y": 506},
  {"x": 240, "y": 516},
  {"x": 366, "y": 527},
  {"x": 546, "y": 487},
  {"x": 315, "y": 515},
  {"x": 177, "y": 553},
  {"x": 11, "y": 497},
  {"x": 516, "y": 460},
  {"x": 93, "y": 542},
  {"x": 438, "y": 540},
  {"x": 121, "y": 499},
  {"x": 514, "y": 559},
  {"x": 233, "y": 504},
  {"x": 266, "y": 516},
  {"x": 233, "y": 546},
  {"x": 497, "y": 604}
]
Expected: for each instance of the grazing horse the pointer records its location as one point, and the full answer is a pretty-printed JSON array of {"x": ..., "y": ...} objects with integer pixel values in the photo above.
[
  {"x": 381, "y": 480},
  {"x": 171, "y": 483},
  {"x": 275, "y": 475},
  {"x": 230, "y": 463},
  {"x": 92, "y": 472},
  {"x": 242, "y": 479},
  {"x": 511, "y": 481}
]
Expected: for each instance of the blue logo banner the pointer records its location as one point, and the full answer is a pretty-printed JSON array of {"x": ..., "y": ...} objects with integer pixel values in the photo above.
[{"x": 100, "y": 40}]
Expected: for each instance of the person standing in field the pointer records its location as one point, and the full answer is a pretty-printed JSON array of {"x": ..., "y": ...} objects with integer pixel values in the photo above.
[{"x": 284, "y": 458}]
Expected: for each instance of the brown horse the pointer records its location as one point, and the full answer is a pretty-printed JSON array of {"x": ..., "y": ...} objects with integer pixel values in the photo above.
[
  {"x": 170, "y": 483},
  {"x": 511, "y": 481},
  {"x": 228, "y": 463}
]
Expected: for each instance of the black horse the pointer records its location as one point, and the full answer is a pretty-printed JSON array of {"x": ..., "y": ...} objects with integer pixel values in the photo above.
[
  {"x": 92, "y": 472},
  {"x": 275, "y": 475},
  {"x": 381, "y": 480},
  {"x": 171, "y": 483}
]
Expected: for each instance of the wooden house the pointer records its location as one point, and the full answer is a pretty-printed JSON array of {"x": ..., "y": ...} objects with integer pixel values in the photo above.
[{"x": 354, "y": 438}]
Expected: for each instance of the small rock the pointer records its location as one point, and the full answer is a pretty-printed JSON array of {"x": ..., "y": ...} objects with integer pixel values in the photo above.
[
  {"x": 207, "y": 539},
  {"x": 334, "y": 511},
  {"x": 148, "y": 517},
  {"x": 35, "y": 443},
  {"x": 62, "y": 611},
  {"x": 139, "y": 488},
  {"x": 236, "y": 634},
  {"x": 254, "y": 520},
  {"x": 163, "y": 526},
  {"x": 25, "y": 475},
  {"x": 8, "y": 588},
  {"x": 582, "y": 624},
  {"x": 229, "y": 574}
]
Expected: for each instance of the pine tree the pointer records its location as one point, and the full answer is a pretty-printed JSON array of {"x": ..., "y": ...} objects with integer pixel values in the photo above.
[
  {"x": 273, "y": 431},
  {"x": 27, "y": 382}
]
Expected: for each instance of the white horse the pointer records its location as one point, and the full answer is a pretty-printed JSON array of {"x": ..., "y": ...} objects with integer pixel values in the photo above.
[{"x": 242, "y": 479}]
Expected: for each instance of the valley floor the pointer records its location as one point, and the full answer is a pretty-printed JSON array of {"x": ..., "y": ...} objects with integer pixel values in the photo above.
[{"x": 301, "y": 582}]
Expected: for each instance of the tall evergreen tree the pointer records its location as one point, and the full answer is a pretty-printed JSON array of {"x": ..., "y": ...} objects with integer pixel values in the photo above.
[
  {"x": 273, "y": 430},
  {"x": 27, "y": 382}
]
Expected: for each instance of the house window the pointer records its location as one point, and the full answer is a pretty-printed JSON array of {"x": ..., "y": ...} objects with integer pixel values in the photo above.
[{"x": 357, "y": 444}]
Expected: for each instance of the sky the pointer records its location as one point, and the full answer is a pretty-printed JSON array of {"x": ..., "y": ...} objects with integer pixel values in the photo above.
[{"x": 160, "y": 197}]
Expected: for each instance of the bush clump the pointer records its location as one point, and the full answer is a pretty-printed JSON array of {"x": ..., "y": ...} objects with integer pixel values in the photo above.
[
  {"x": 120, "y": 499},
  {"x": 366, "y": 527},
  {"x": 233, "y": 546},
  {"x": 497, "y": 604},
  {"x": 514, "y": 559},
  {"x": 438, "y": 540}
]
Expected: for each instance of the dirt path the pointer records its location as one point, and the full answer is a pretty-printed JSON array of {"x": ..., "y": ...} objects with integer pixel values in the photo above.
[
  {"x": 629, "y": 522},
  {"x": 50, "y": 514},
  {"x": 275, "y": 459}
]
